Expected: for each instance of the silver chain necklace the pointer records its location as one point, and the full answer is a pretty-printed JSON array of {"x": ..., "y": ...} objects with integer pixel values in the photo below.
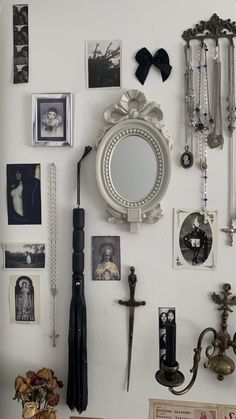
[
  {"x": 186, "y": 159},
  {"x": 231, "y": 127},
  {"x": 52, "y": 183}
]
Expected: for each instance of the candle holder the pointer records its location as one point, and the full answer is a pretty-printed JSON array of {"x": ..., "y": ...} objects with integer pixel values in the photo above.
[{"x": 218, "y": 361}]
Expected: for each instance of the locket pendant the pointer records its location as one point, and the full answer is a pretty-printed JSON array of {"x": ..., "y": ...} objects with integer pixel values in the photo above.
[{"x": 186, "y": 159}]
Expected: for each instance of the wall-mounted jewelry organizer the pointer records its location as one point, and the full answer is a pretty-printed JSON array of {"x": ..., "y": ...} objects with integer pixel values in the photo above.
[{"x": 203, "y": 111}]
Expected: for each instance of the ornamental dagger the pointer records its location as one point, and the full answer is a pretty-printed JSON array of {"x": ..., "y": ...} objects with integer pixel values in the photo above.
[{"x": 131, "y": 303}]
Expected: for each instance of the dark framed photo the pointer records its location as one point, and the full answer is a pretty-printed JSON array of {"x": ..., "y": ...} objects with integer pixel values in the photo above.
[
  {"x": 52, "y": 119},
  {"x": 195, "y": 239},
  {"x": 165, "y": 314},
  {"x": 106, "y": 258},
  {"x": 24, "y": 301},
  {"x": 103, "y": 64},
  {"x": 24, "y": 193},
  {"x": 24, "y": 255}
]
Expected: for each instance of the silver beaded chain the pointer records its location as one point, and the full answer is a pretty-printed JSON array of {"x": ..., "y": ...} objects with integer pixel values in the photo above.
[{"x": 52, "y": 183}]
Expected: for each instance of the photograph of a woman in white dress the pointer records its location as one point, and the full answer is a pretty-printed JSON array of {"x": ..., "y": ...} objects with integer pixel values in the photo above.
[{"x": 106, "y": 257}]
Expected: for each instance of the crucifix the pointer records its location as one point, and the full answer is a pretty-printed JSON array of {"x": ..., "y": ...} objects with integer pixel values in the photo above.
[{"x": 131, "y": 303}]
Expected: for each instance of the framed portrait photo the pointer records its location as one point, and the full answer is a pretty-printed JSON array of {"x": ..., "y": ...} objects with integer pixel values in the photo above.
[
  {"x": 195, "y": 239},
  {"x": 52, "y": 119}
]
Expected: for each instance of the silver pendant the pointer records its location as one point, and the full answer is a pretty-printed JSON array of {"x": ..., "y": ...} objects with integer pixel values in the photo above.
[
  {"x": 186, "y": 159},
  {"x": 214, "y": 140}
]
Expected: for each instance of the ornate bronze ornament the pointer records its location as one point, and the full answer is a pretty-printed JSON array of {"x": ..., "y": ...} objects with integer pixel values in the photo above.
[{"x": 217, "y": 360}]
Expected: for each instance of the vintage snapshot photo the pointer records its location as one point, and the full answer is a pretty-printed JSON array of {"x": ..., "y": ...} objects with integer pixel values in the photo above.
[
  {"x": 195, "y": 239},
  {"x": 189, "y": 410},
  {"x": 24, "y": 299},
  {"x": 106, "y": 257},
  {"x": 24, "y": 193},
  {"x": 103, "y": 64},
  {"x": 52, "y": 119},
  {"x": 21, "y": 44},
  {"x": 165, "y": 314},
  {"x": 24, "y": 255}
]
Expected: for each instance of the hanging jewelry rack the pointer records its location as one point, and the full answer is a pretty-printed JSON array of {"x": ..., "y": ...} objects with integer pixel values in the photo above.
[{"x": 216, "y": 28}]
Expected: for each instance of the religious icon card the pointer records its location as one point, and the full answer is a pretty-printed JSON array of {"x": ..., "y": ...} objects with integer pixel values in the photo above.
[
  {"x": 195, "y": 239},
  {"x": 24, "y": 299},
  {"x": 103, "y": 64},
  {"x": 106, "y": 258},
  {"x": 24, "y": 255},
  {"x": 24, "y": 193},
  {"x": 52, "y": 119},
  {"x": 165, "y": 314}
]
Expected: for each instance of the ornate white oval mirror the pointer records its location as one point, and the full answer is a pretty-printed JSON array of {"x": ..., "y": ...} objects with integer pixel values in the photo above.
[{"x": 133, "y": 160}]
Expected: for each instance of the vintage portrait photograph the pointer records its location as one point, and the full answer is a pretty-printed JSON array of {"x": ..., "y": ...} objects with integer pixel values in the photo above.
[
  {"x": 24, "y": 299},
  {"x": 103, "y": 64},
  {"x": 24, "y": 255},
  {"x": 165, "y": 314},
  {"x": 24, "y": 193},
  {"x": 52, "y": 124},
  {"x": 195, "y": 239},
  {"x": 106, "y": 258},
  {"x": 20, "y": 39}
]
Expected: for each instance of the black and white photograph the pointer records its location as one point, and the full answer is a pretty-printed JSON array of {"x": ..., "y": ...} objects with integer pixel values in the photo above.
[
  {"x": 24, "y": 193},
  {"x": 24, "y": 255},
  {"x": 52, "y": 119},
  {"x": 20, "y": 44},
  {"x": 165, "y": 314},
  {"x": 103, "y": 64},
  {"x": 195, "y": 239},
  {"x": 106, "y": 258},
  {"x": 24, "y": 299}
]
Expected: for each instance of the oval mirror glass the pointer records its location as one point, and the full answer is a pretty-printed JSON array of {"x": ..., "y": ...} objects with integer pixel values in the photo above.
[{"x": 133, "y": 168}]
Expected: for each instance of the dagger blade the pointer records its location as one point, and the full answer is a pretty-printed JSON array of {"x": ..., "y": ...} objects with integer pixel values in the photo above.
[{"x": 131, "y": 303}]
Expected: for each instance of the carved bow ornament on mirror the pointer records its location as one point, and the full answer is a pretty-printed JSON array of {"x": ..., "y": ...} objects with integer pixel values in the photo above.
[{"x": 133, "y": 162}]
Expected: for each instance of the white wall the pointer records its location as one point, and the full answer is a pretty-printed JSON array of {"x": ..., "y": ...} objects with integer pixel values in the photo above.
[{"x": 58, "y": 31}]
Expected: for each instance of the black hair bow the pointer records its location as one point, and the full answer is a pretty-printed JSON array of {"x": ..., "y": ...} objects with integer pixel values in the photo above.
[{"x": 145, "y": 60}]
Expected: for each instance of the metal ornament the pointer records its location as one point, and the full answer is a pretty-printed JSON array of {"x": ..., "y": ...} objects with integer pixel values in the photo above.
[
  {"x": 52, "y": 182},
  {"x": 218, "y": 361},
  {"x": 186, "y": 159},
  {"x": 131, "y": 303}
]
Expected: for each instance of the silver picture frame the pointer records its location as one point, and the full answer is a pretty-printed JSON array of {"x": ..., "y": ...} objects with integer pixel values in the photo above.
[{"x": 52, "y": 119}]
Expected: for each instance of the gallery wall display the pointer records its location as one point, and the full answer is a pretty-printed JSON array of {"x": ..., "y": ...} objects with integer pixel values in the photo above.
[
  {"x": 52, "y": 119},
  {"x": 21, "y": 44},
  {"x": 24, "y": 193},
  {"x": 24, "y": 299},
  {"x": 106, "y": 258},
  {"x": 24, "y": 255},
  {"x": 195, "y": 239},
  {"x": 104, "y": 64},
  {"x": 133, "y": 132}
]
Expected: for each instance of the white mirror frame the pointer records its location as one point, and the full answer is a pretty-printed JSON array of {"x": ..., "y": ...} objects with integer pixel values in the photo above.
[{"x": 133, "y": 115}]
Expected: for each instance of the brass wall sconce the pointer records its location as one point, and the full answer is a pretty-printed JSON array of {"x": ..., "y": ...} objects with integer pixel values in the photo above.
[{"x": 169, "y": 374}]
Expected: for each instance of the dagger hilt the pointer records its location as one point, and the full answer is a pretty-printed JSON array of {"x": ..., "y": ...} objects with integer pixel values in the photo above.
[{"x": 132, "y": 279}]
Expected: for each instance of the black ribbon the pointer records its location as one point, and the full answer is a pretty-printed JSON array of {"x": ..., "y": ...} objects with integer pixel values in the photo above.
[{"x": 145, "y": 60}]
